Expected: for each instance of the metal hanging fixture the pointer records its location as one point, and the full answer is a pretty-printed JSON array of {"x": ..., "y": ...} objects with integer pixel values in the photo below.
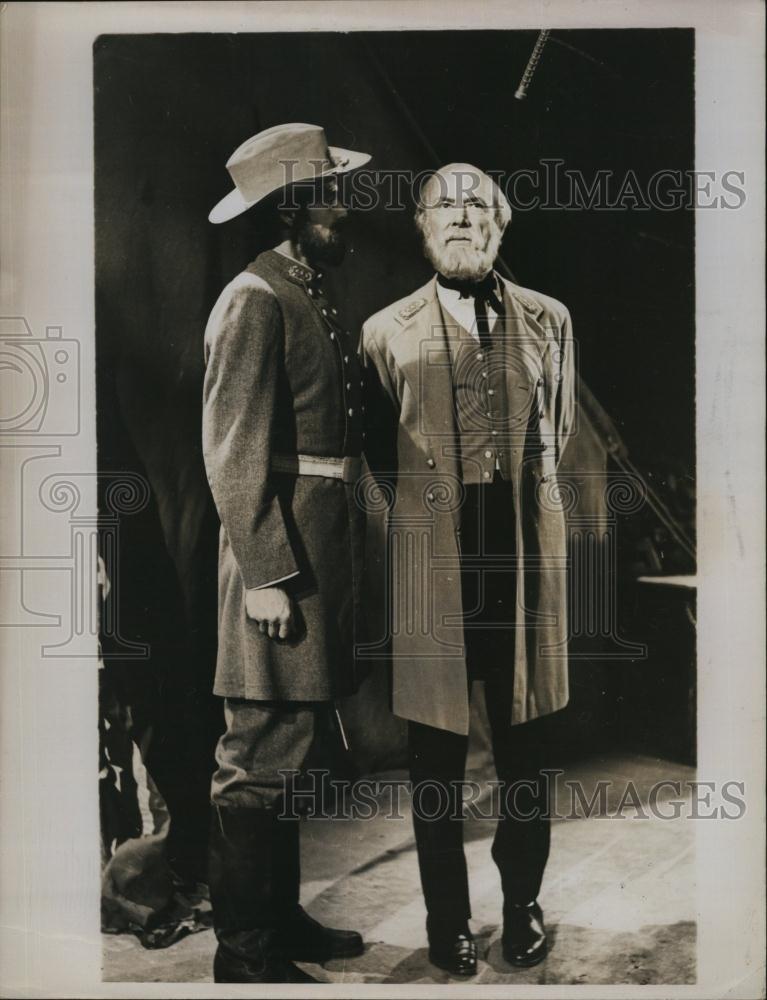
[{"x": 532, "y": 64}]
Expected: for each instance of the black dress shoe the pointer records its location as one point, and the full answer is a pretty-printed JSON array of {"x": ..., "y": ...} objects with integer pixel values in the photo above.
[
  {"x": 229, "y": 968},
  {"x": 453, "y": 950},
  {"x": 302, "y": 939},
  {"x": 524, "y": 940}
]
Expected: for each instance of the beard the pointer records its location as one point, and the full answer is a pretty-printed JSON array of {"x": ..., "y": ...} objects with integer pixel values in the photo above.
[
  {"x": 321, "y": 244},
  {"x": 462, "y": 261}
]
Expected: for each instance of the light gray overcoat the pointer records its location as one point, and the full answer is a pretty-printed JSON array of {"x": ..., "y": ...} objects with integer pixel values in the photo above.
[{"x": 406, "y": 350}]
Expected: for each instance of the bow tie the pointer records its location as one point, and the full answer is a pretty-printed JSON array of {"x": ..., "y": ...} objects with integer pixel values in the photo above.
[{"x": 485, "y": 290}]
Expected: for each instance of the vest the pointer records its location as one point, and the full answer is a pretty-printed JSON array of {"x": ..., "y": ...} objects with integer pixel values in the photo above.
[{"x": 486, "y": 431}]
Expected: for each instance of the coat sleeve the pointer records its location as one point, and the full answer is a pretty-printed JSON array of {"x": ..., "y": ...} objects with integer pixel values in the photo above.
[
  {"x": 381, "y": 411},
  {"x": 565, "y": 402},
  {"x": 244, "y": 345}
]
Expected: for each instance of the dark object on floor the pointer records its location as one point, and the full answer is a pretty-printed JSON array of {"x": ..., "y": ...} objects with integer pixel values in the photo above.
[{"x": 141, "y": 896}]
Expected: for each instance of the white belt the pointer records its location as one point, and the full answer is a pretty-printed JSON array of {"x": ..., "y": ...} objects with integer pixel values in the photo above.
[{"x": 348, "y": 469}]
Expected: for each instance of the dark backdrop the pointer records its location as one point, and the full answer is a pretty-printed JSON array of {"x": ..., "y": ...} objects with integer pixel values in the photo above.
[{"x": 169, "y": 110}]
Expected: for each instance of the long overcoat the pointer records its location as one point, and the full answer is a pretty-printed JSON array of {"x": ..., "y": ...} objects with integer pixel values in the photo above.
[
  {"x": 283, "y": 379},
  {"x": 406, "y": 351}
]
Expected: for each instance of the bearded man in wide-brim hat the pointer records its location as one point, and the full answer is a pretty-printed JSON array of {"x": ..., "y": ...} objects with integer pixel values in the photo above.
[
  {"x": 470, "y": 405},
  {"x": 282, "y": 436}
]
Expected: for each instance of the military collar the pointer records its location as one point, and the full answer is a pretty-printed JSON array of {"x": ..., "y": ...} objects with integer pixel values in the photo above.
[{"x": 294, "y": 270}]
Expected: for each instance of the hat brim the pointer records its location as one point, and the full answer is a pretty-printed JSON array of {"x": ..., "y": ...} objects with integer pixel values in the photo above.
[{"x": 233, "y": 204}]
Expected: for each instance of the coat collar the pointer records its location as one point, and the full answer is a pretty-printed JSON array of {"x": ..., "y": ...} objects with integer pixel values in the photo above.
[
  {"x": 420, "y": 319},
  {"x": 288, "y": 267},
  {"x": 415, "y": 302}
]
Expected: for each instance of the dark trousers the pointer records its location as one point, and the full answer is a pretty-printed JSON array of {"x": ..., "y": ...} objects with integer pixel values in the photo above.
[{"x": 438, "y": 757}]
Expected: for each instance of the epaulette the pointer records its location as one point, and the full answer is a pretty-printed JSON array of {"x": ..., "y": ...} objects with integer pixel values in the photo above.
[{"x": 411, "y": 309}]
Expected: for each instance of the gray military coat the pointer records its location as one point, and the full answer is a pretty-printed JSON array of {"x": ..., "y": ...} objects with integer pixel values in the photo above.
[
  {"x": 282, "y": 378},
  {"x": 406, "y": 351}
]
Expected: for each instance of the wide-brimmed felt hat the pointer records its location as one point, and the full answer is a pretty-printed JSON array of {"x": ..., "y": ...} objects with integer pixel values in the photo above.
[{"x": 277, "y": 157}]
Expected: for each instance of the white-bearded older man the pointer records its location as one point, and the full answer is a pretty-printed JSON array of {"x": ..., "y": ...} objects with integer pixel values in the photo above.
[{"x": 470, "y": 403}]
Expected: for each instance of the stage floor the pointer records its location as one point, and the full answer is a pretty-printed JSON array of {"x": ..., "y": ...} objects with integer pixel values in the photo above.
[{"x": 618, "y": 896}]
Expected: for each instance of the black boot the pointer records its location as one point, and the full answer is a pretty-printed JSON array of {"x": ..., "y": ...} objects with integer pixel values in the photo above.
[
  {"x": 300, "y": 937},
  {"x": 241, "y": 878}
]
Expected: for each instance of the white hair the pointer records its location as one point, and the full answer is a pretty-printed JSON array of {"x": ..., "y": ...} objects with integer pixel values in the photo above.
[{"x": 471, "y": 173}]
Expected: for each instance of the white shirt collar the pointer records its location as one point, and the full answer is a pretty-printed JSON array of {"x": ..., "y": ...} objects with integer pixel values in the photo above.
[{"x": 462, "y": 309}]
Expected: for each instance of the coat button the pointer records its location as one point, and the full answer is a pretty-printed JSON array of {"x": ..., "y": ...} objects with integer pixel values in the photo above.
[
  {"x": 486, "y": 475},
  {"x": 491, "y": 392},
  {"x": 351, "y": 412},
  {"x": 480, "y": 357},
  {"x": 332, "y": 336},
  {"x": 346, "y": 359},
  {"x": 430, "y": 462},
  {"x": 334, "y": 311},
  {"x": 348, "y": 386},
  {"x": 430, "y": 497},
  {"x": 494, "y": 433},
  {"x": 488, "y": 454}
]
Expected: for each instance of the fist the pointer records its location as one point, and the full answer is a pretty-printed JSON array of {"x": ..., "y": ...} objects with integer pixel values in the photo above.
[{"x": 272, "y": 609}]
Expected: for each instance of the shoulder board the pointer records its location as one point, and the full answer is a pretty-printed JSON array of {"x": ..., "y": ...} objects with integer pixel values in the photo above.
[{"x": 411, "y": 308}]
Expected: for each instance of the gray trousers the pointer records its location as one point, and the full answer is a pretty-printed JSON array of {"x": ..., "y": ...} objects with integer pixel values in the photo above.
[{"x": 262, "y": 739}]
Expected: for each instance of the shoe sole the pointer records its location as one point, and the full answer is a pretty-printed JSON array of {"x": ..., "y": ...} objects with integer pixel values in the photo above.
[
  {"x": 453, "y": 972},
  {"x": 527, "y": 963},
  {"x": 318, "y": 958}
]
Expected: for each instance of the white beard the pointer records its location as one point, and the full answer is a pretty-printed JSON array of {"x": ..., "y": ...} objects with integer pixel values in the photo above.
[{"x": 462, "y": 261}]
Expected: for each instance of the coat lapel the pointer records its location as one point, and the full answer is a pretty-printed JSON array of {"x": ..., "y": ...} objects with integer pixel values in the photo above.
[
  {"x": 422, "y": 353},
  {"x": 527, "y": 348}
]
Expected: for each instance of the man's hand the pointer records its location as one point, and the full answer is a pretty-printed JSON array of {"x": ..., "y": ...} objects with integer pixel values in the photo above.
[{"x": 272, "y": 609}]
